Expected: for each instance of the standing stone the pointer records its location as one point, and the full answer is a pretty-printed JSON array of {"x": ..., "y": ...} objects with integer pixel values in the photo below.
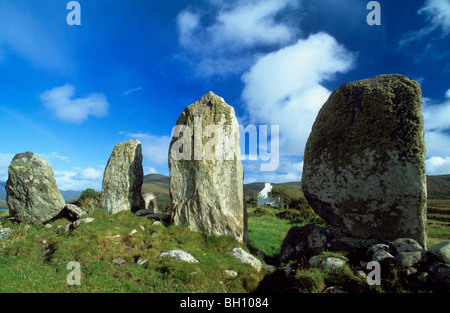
[
  {"x": 206, "y": 175},
  {"x": 150, "y": 202},
  {"x": 31, "y": 190},
  {"x": 364, "y": 170},
  {"x": 123, "y": 178}
]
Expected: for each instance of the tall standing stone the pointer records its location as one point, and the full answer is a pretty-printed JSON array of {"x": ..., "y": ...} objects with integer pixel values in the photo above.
[
  {"x": 364, "y": 170},
  {"x": 123, "y": 178},
  {"x": 206, "y": 175},
  {"x": 31, "y": 190}
]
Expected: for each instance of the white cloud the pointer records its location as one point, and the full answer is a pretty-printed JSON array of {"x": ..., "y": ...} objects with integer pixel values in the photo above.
[
  {"x": 438, "y": 15},
  {"x": 284, "y": 87},
  {"x": 149, "y": 170},
  {"x": 225, "y": 44},
  {"x": 61, "y": 103},
  {"x": 86, "y": 178},
  {"x": 438, "y": 165},
  {"x": 52, "y": 156},
  {"x": 89, "y": 174},
  {"x": 129, "y": 91},
  {"x": 290, "y": 170},
  {"x": 437, "y": 126}
]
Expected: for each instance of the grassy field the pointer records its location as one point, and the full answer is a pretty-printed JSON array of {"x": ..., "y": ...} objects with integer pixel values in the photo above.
[{"x": 34, "y": 259}]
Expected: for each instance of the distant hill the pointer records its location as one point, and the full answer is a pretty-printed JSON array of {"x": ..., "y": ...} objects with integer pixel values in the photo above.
[
  {"x": 70, "y": 194},
  {"x": 438, "y": 187},
  {"x": 159, "y": 185}
]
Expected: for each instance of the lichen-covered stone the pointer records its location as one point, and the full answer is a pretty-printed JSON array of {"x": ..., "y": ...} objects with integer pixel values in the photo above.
[
  {"x": 206, "y": 189},
  {"x": 31, "y": 190},
  {"x": 364, "y": 170},
  {"x": 123, "y": 178}
]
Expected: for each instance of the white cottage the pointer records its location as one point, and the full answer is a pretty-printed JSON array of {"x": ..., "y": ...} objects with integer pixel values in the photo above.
[{"x": 264, "y": 198}]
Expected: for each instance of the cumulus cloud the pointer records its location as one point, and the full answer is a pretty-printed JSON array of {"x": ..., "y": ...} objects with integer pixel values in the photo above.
[
  {"x": 89, "y": 174},
  {"x": 225, "y": 44},
  {"x": 438, "y": 165},
  {"x": 72, "y": 180},
  {"x": 285, "y": 87},
  {"x": 61, "y": 102},
  {"x": 437, "y": 14}
]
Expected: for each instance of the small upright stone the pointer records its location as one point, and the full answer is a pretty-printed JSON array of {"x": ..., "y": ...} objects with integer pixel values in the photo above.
[
  {"x": 206, "y": 175},
  {"x": 31, "y": 190},
  {"x": 123, "y": 178},
  {"x": 150, "y": 202},
  {"x": 364, "y": 161}
]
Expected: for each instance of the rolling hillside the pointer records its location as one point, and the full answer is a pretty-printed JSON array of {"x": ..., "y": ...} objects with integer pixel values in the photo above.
[{"x": 438, "y": 187}]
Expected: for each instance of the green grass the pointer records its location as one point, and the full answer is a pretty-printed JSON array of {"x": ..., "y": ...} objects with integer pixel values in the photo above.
[{"x": 28, "y": 265}]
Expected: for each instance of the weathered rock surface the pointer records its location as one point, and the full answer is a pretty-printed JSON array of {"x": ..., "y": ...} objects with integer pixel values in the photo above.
[
  {"x": 364, "y": 170},
  {"x": 246, "y": 258},
  {"x": 150, "y": 202},
  {"x": 441, "y": 251},
  {"x": 310, "y": 240},
  {"x": 206, "y": 175},
  {"x": 31, "y": 190},
  {"x": 179, "y": 255},
  {"x": 123, "y": 178}
]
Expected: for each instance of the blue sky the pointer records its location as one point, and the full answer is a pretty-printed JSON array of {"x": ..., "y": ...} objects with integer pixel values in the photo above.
[{"x": 70, "y": 93}]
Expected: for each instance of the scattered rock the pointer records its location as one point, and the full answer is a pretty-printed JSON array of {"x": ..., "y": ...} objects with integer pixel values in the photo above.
[
  {"x": 270, "y": 268},
  {"x": 155, "y": 234},
  {"x": 123, "y": 178},
  {"x": 383, "y": 256},
  {"x": 441, "y": 251},
  {"x": 134, "y": 231},
  {"x": 335, "y": 289},
  {"x": 157, "y": 223},
  {"x": 72, "y": 212},
  {"x": 375, "y": 248},
  {"x": 230, "y": 274},
  {"x": 165, "y": 218},
  {"x": 310, "y": 240},
  {"x": 48, "y": 226},
  {"x": 179, "y": 255},
  {"x": 332, "y": 263},
  {"x": 361, "y": 274},
  {"x": 141, "y": 227},
  {"x": 31, "y": 190},
  {"x": 287, "y": 270},
  {"x": 85, "y": 220},
  {"x": 246, "y": 258},
  {"x": 141, "y": 261},
  {"x": 206, "y": 184},
  {"x": 408, "y": 259},
  {"x": 441, "y": 272},
  {"x": 4, "y": 233},
  {"x": 314, "y": 261},
  {"x": 363, "y": 167},
  {"x": 143, "y": 212},
  {"x": 405, "y": 245},
  {"x": 118, "y": 260}
]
